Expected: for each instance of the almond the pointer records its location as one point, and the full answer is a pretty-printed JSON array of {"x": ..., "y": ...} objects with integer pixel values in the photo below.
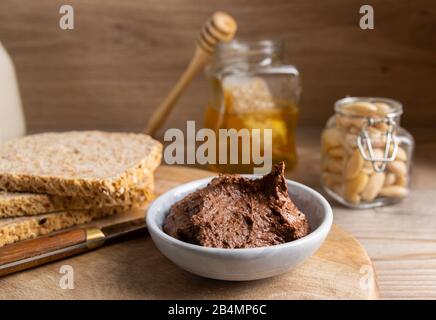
[
  {"x": 397, "y": 167},
  {"x": 362, "y": 108},
  {"x": 336, "y": 152},
  {"x": 390, "y": 179},
  {"x": 401, "y": 155},
  {"x": 354, "y": 165},
  {"x": 401, "y": 181},
  {"x": 331, "y": 137},
  {"x": 393, "y": 192},
  {"x": 373, "y": 187},
  {"x": 354, "y": 186},
  {"x": 382, "y": 108},
  {"x": 333, "y": 165}
]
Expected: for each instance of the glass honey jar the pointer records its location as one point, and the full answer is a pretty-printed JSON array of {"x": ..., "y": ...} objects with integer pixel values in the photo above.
[
  {"x": 252, "y": 88},
  {"x": 366, "y": 154}
]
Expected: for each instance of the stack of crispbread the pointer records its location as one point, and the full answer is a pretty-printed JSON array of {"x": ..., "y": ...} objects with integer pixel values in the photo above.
[{"x": 53, "y": 181}]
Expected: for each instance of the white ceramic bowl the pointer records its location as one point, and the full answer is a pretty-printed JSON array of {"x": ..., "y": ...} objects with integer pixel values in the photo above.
[{"x": 241, "y": 264}]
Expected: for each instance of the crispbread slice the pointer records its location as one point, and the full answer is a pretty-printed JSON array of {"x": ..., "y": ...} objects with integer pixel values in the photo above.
[
  {"x": 78, "y": 163},
  {"x": 27, "y": 204},
  {"x": 22, "y": 228}
]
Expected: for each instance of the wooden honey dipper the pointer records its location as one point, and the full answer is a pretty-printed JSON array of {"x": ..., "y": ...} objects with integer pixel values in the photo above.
[{"x": 220, "y": 27}]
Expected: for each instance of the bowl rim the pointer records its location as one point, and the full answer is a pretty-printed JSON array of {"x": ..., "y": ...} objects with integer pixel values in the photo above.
[{"x": 320, "y": 231}]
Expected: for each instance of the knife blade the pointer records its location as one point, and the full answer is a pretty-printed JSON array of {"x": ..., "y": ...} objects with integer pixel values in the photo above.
[{"x": 31, "y": 253}]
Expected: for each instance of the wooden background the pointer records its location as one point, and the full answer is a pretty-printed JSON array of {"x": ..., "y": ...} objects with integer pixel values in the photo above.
[{"x": 123, "y": 56}]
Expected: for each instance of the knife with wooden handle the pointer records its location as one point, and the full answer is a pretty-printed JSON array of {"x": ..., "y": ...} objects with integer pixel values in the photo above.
[{"x": 42, "y": 250}]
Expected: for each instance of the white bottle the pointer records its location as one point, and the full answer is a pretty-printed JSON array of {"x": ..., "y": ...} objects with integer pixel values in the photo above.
[{"x": 12, "y": 124}]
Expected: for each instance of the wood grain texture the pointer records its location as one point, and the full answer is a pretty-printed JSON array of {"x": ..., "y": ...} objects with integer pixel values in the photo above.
[
  {"x": 41, "y": 245},
  {"x": 400, "y": 239},
  {"x": 127, "y": 271},
  {"x": 124, "y": 56}
]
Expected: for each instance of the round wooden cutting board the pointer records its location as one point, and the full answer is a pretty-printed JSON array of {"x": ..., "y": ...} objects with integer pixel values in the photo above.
[{"x": 135, "y": 269}]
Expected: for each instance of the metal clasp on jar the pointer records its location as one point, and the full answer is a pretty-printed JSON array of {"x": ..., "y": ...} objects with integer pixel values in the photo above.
[{"x": 366, "y": 145}]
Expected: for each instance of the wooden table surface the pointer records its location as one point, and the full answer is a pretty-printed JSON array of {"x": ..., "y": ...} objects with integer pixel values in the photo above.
[
  {"x": 136, "y": 269},
  {"x": 400, "y": 239}
]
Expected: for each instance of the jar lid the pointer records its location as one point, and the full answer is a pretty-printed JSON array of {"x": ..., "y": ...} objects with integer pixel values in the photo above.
[{"x": 396, "y": 108}]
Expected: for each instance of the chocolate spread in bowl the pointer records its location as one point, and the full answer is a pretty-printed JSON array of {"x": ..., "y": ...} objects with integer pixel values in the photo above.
[{"x": 237, "y": 212}]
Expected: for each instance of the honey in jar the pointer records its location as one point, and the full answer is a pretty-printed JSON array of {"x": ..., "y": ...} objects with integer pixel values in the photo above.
[{"x": 253, "y": 89}]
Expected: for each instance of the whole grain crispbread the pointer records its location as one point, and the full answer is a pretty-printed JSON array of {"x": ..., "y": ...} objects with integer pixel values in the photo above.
[
  {"x": 23, "y": 228},
  {"x": 27, "y": 204},
  {"x": 78, "y": 163}
]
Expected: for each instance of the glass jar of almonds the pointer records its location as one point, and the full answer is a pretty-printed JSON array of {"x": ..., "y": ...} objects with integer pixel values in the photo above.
[{"x": 366, "y": 155}]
